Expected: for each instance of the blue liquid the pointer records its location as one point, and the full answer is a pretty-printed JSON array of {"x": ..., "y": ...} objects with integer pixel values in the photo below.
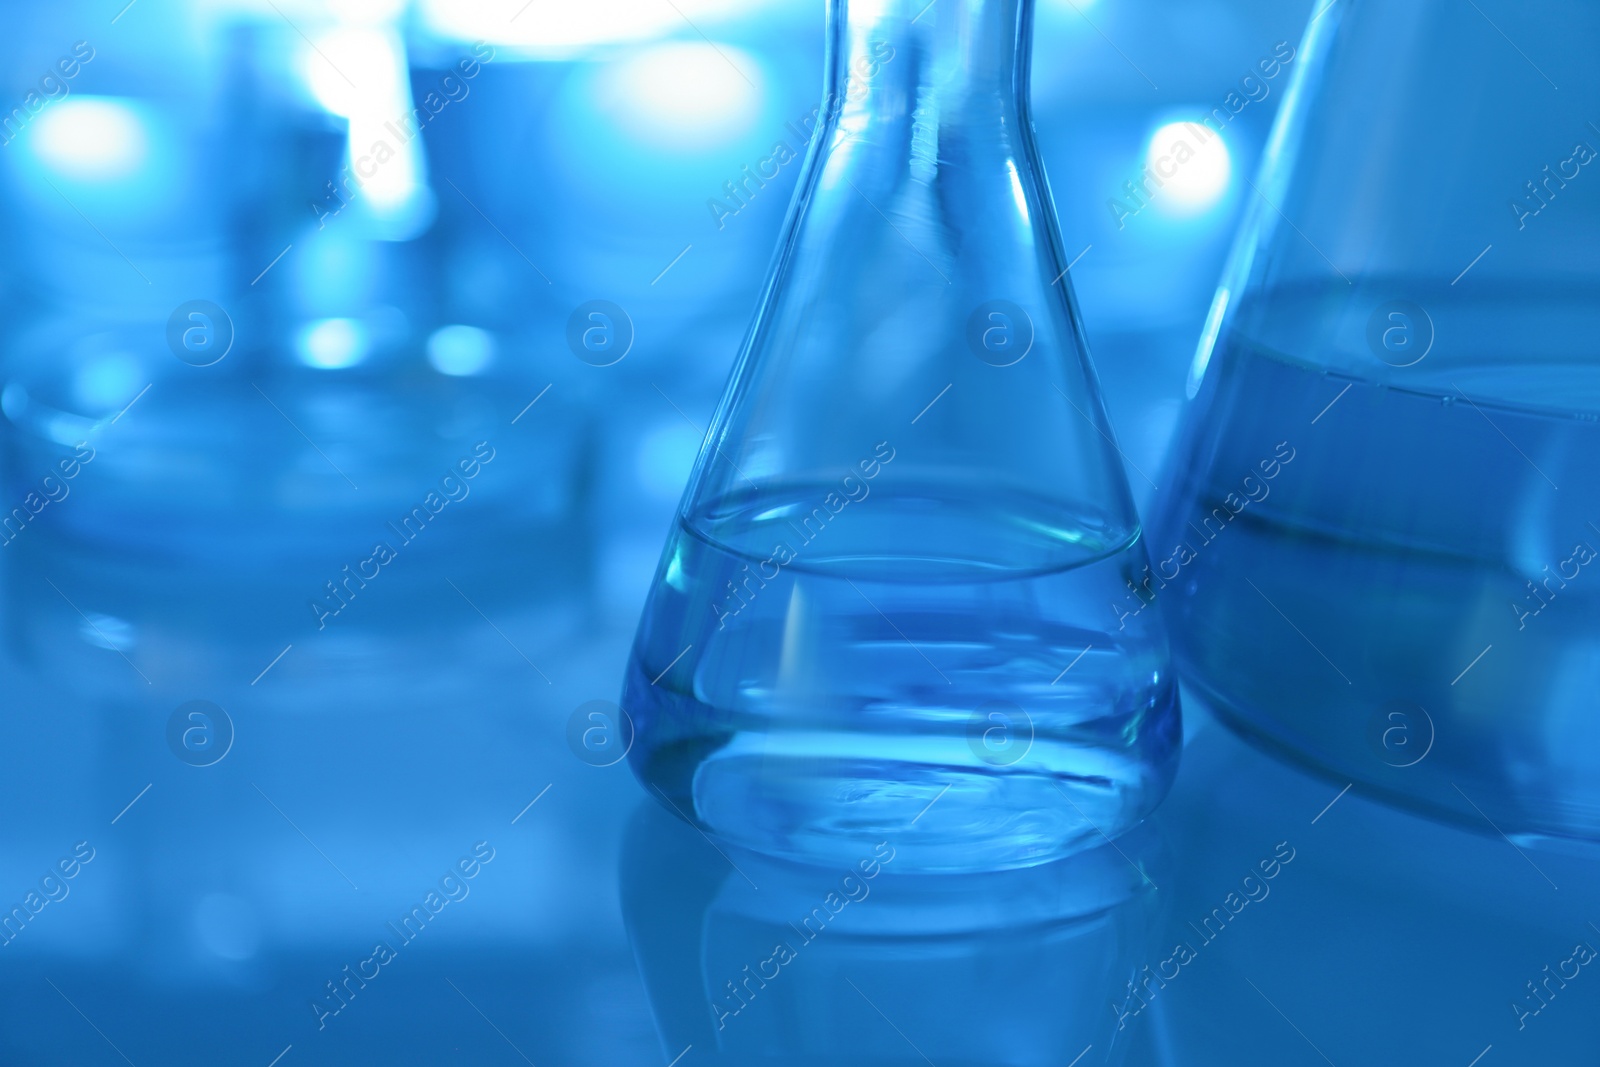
[
  {"x": 948, "y": 678},
  {"x": 1422, "y": 623}
]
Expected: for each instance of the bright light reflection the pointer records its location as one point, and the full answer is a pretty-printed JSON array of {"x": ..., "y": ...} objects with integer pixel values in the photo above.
[
  {"x": 360, "y": 73},
  {"x": 91, "y": 138},
  {"x": 683, "y": 95},
  {"x": 460, "y": 351},
  {"x": 1193, "y": 164},
  {"x": 333, "y": 344},
  {"x": 556, "y": 27},
  {"x": 1016, "y": 188},
  {"x": 357, "y": 70},
  {"x": 368, "y": 11}
]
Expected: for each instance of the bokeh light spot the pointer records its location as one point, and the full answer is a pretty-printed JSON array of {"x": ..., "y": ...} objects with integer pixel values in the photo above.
[
  {"x": 682, "y": 96},
  {"x": 460, "y": 351},
  {"x": 333, "y": 344},
  {"x": 1193, "y": 164},
  {"x": 91, "y": 139}
]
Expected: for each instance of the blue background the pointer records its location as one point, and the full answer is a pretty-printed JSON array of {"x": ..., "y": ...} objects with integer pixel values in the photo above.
[{"x": 373, "y": 747}]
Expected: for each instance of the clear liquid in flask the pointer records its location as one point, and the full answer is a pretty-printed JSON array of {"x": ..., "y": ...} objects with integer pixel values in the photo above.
[{"x": 978, "y": 706}]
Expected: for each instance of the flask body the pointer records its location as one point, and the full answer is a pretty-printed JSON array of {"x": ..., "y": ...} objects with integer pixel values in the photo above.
[{"x": 896, "y": 599}]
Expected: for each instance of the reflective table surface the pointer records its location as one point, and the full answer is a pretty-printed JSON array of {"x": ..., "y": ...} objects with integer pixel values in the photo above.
[{"x": 397, "y": 845}]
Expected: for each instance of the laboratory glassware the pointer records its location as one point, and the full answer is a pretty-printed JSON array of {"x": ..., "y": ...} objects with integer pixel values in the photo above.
[
  {"x": 894, "y": 604},
  {"x": 1376, "y": 549}
]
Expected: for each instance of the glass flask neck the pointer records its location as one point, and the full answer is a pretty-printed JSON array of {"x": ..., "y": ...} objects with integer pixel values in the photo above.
[{"x": 930, "y": 65}]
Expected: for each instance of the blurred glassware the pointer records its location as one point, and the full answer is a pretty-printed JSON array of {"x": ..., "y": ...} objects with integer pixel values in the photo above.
[
  {"x": 946, "y": 663},
  {"x": 239, "y": 333},
  {"x": 863, "y": 965},
  {"x": 1375, "y": 553}
]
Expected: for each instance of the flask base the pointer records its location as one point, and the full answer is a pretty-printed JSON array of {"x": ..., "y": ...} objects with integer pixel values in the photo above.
[{"x": 823, "y": 798}]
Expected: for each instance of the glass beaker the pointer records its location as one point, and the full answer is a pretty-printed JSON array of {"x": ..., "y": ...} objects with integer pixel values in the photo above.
[
  {"x": 1377, "y": 552},
  {"x": 887, "y": 605}
]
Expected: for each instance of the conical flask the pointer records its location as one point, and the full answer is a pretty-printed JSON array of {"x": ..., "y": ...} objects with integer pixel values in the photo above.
[
  {"x": 1380, "y": 556},
  {"x": 895, "y": 604}
]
